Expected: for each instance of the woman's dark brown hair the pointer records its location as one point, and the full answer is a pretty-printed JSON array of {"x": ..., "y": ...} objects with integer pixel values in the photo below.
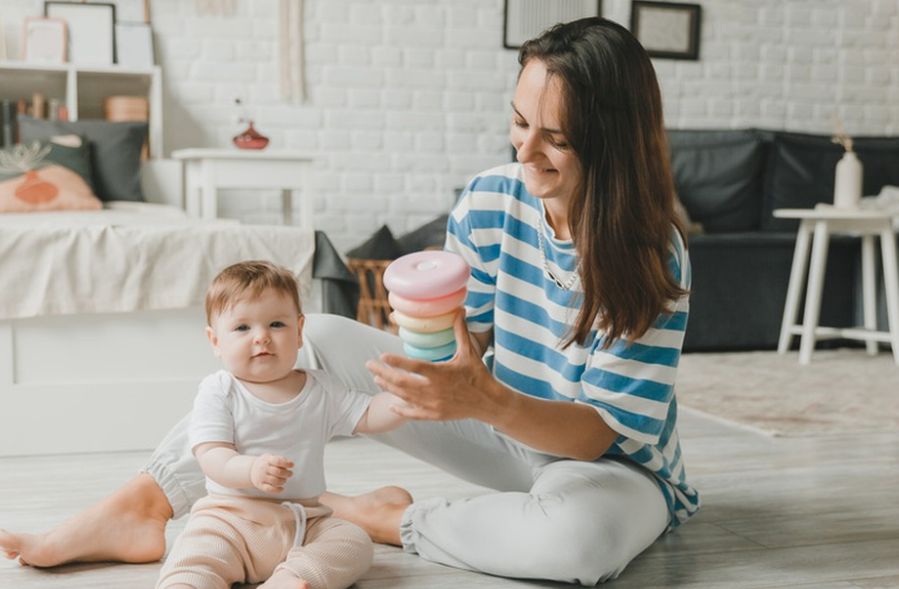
[{"x": 622, "y": 214}]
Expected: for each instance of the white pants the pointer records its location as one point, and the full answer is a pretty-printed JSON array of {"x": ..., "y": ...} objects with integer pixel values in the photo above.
[{"x": 552, "y": 519}]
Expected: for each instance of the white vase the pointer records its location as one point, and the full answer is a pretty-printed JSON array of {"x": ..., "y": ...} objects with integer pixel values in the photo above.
[{"x": 847, "y": 193}]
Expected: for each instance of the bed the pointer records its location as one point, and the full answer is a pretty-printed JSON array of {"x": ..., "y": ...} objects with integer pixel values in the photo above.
[{"x": 102, "y": 337}]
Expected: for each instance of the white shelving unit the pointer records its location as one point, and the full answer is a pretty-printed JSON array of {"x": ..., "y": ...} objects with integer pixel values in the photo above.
[{"x": 82, "y": 89}]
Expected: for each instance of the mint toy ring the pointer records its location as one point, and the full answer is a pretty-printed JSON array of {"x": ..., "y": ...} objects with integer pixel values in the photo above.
[{"x": 433, "y": 339}]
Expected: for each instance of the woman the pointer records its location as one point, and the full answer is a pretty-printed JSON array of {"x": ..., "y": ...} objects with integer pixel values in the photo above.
[{"x": 579, "y": 296}]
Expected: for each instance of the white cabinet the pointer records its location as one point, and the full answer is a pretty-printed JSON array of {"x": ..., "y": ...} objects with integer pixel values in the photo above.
[{"x": 82, "y": 89}]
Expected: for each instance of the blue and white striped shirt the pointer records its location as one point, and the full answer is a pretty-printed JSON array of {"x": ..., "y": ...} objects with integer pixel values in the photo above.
[{"x": 495, "y": 228}]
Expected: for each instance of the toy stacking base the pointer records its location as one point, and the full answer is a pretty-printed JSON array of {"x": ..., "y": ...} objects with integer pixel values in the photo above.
[{"x": 426, "y": 291}]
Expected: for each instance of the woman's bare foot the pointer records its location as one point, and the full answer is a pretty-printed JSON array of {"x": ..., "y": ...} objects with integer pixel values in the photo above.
[
  {"x": 284, "y": 580},
  {"x": 378, "y": 513},
  {"x": 127, "y": 526}
]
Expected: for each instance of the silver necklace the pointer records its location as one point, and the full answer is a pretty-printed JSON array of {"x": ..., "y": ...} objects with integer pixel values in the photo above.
[{"x": 571, "y": 279}]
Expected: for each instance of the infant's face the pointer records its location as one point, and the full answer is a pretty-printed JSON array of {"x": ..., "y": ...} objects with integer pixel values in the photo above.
[{"x": 258, "y": 340}]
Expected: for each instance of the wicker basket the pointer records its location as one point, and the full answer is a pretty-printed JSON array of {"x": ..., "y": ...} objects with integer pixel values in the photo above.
[
  {"x": 126, "y": 108},
  {"x": 373, "y": 307}
]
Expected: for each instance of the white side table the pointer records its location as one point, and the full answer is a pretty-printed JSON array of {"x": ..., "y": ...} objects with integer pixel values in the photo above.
[
  {"x": 821, "y": 222},
  {"x": 206, "y": 171}
]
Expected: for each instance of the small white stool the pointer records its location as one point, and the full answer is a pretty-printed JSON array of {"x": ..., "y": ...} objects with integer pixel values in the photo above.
[
  {"x": 822, "y": 222},
  {"x": 206, "y": 171}
]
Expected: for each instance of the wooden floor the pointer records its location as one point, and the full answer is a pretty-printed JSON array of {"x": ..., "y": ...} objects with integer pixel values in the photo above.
[{"x": 815, "y": 513}]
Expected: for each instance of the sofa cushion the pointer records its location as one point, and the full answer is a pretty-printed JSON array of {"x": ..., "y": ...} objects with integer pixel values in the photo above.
[
  {"x": 718, "y": 177},
  {"x": 801, "y": 172}
]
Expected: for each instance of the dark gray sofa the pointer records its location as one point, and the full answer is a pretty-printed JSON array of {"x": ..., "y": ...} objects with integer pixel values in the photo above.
[{"x": 730, "y": 182}]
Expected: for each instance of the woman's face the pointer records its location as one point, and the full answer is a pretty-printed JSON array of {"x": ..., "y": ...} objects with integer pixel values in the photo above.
[{"x": 551, "y": 169}]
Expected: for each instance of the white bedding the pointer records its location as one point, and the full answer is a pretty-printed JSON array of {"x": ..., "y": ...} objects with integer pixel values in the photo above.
[{"x": 130, "y": 257}]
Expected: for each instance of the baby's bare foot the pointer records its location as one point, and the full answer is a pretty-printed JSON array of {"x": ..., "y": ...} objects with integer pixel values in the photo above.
[
  {"x": 127, "y": 526},
  {"x": 11, "y": 544},
  {"x": 378, "y": 512},
  {"x": 284, "y": 580}
]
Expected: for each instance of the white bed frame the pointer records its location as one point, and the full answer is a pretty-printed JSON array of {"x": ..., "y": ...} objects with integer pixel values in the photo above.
[
  {"x": 90, "y": 383},
  {"x": 108, "y": 382}
]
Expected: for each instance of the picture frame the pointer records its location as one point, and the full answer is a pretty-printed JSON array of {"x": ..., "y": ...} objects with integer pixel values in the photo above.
[
  {"x": 668, "y": 30},
  {"x": 525, "y": 19},
  {"x": 44, "y": 40},
  {"x": 4, "y": 55},
  {"x": 132, "y": 11},
  {"x": 134, "y": 45},
  {"x": 91, "y": 30}
]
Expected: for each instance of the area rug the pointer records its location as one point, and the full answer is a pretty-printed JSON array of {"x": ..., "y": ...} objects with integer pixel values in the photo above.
[{"x": 840, "y": 391}]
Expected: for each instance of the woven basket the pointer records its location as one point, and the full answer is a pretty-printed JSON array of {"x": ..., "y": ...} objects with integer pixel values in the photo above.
[{"x": 373, "y": 307}]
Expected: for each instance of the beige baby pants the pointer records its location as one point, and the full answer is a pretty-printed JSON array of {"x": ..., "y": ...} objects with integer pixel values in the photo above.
[{"x": 231, "y": 540}]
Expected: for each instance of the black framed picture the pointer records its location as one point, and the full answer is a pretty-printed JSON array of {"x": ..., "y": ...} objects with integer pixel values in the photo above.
[
  {"x": 667, "y": 29},
  {"x": 90, "y": 29},
  {"x": 132, "y": 11},
  {"x": 525, "y": 19},
  {"x": 134, "y": 44}
]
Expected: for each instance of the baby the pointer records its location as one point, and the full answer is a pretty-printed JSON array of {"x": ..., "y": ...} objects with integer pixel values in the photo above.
[{"x": 258, "y": 430}]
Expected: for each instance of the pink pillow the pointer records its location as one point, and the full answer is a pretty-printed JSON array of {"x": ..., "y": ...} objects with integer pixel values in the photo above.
[{"x": 48, "y": 175}]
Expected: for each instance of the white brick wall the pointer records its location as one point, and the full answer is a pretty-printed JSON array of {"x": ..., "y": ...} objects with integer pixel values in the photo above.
[{"x": 409, "y": 98}]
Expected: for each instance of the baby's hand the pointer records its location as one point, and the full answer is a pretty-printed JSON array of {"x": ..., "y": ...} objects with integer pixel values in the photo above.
[{"x": 269, "y": 472}]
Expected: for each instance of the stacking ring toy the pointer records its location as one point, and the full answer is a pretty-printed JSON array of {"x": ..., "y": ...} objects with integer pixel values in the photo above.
[
  {"x": 434, "y": 339},
  {"x": 426, "y": 291},
  {"x": 441, "y": 353},
  {"x": 426, "y": 275},
  {"x": 424, "y": 324},
  {"x": 427, "y": 308}
]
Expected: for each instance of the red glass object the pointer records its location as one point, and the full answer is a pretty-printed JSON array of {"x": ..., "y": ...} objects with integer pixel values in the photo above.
[{"x": 250, "y": 139}]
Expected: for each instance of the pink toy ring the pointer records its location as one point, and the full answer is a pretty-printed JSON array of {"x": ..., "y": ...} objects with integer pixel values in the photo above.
[
  {"x": 424, "y": 324},
  {"x": 428, "y": 308},
  {"x": 426, "y": 275}
]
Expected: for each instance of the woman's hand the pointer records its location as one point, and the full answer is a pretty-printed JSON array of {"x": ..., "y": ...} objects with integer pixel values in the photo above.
[
  {"x": 463, "y": 388},
  {"x": 459, "y": 388}
]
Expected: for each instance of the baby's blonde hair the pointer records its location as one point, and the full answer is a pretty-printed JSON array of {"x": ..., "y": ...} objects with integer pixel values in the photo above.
[{"x": 247, "y": 281}]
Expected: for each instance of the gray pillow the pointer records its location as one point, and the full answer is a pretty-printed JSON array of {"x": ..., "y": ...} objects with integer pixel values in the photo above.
[
  {"x": 115, "y": 150},
  {"x": 431, "y": 234},
  {"x": 380, "y": 246}
]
